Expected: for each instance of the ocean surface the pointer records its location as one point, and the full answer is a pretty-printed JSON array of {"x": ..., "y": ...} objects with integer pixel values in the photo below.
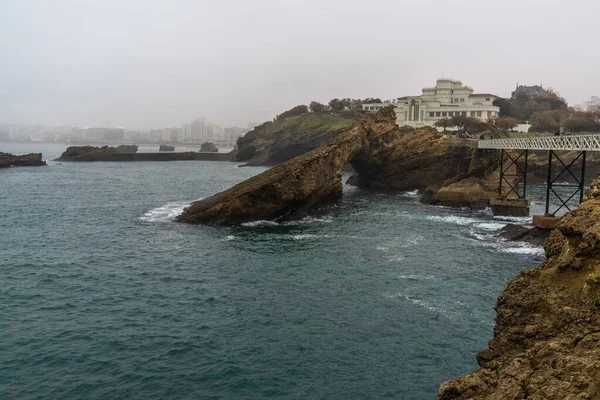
[{"x": 102, "y": 296}]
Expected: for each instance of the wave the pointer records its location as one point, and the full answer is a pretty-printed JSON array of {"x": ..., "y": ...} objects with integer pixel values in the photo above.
[
  {"x": 416, "y": 277},
  {"x": 491, "y": 226},
  {"x": 454, "y": 219},
  {"x": 519, "y": 220},
  {"x": 165, "y": 213},
  {"x": 524, "y": 249},
  {"x": 308, "y": 236},
  {"x": 410, "y": 194},
  {"x": 260, "y": 223}
]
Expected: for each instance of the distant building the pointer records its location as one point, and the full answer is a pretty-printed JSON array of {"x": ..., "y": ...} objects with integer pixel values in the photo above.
[
  {"x": 530, "y": 91},
  {"x": 104, "y": 134},
  {"x": 449, "y": 98},
  {"x": 593, "y": 104}
]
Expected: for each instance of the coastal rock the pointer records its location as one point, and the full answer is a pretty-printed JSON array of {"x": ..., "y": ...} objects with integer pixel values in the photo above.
[
  {"x": 546, "y": 341},
  {"x": 208, "y": 147},
  {"x": 27, "y": 160},
  {"x": 166, "y": 147},
  {"x": 91, "y": 153},
  {"x": 275, "y": 142},
  {"x": 127, "y": 148},
  {"x": 527, "y": 234},
  {"x": 382, "y": 156}
]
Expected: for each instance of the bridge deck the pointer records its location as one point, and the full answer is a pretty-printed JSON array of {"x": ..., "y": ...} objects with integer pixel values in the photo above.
[{"x": 568, "y": 142}]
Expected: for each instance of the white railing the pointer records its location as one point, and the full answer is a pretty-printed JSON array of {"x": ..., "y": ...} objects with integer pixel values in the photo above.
[{"x": 568, "y": 142}]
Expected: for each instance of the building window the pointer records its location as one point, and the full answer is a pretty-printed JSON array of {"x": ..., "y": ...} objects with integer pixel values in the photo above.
[
  {"x": 479, "y": 114},
  {"x": 431, "y": 114},
  {"x": 406, "y": 115},
  {"x": 462, "y": 100},
  {"x": 438, "y": 114},
  {"x": 472, "y": 113},
  {"x": 444, "y": 114},
  {"x": 487, "y": 99},
  {"x": 464, "y": 113}
]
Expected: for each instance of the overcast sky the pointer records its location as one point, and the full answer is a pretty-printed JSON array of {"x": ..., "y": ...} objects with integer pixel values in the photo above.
[{"x": 159, "y": 63}]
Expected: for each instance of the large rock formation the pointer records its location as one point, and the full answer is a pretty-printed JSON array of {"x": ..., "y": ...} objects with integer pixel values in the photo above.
[
  {"x": 33, "y": 159},
  {"x": 546, "y": 341},
  {"x": 166, "y": 147},
  {"x": 275, "y": 142},
  {"x": 382, "y": 156}
]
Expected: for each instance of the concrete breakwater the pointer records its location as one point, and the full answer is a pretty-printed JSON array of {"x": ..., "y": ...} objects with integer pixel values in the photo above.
[{"x": 91, "y": 153}]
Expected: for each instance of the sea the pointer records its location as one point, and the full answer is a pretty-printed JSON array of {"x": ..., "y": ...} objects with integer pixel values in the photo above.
[{"x": 103, "y": 296}]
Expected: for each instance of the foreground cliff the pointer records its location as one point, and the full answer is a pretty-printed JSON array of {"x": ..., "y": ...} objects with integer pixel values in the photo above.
[
  {"x": 546, "y": 341},
  {"x": 382, "y": 155},
  {"x": 275, "y": 142},
  {"x": 27, "y": 160}
]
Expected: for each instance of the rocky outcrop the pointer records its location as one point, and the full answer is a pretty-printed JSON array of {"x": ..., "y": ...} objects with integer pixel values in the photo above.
[
  {"x": 208, "y": 147},
  {"x": 382, "y": 156},
  {"x": 92, "y": 153},
  {"x": 528, "y": 234},
  {"x": 166, "y": 147},
  {"x": 275, "y": 142},
  {"x": 27, "y": 160},
  {"x": 127, "y": 148},
  {"x": 546, "y": 341}
]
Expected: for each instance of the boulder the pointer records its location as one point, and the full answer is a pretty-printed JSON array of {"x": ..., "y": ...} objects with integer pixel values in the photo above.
[
  {"x": 27, "y": 160},
  {"x": 546, "y": 342},
  {"x": 521, "y": 233},
  {"x": 208, "y": 147},
  {"x": 166, "y": 147}
]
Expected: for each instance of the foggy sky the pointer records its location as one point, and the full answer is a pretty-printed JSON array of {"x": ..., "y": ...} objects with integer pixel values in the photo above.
[{"x": 159, "y": 63}]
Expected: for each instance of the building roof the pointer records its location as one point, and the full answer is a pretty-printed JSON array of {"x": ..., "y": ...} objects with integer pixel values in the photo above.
[
  {"x": 482, "y": 95},
  {"x": 407, "y": 97}
]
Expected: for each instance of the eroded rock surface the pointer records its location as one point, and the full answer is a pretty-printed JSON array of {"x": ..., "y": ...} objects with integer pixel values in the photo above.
[
  {"x": 382, "y": 155},
  {"x": 27, "y": 160},
  {"x": 546, "y": 341}
]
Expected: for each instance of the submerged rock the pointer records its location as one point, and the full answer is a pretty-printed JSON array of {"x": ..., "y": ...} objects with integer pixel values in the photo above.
[
  {"x": 208, "y": 147},
  {"x": 27, "y": 160},
  {"x": 546, "y": 341},
  {"x": 382, "y": 156},
  {"x": 166, "y": 147},
  {"x": 92, "y": 153}
]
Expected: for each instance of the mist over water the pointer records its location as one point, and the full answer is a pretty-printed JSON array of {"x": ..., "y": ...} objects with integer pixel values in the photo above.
[{"x": 102, "y": 296}]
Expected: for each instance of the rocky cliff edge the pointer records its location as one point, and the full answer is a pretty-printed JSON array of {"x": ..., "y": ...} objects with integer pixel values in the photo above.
[{"x": 546, "y": 341}]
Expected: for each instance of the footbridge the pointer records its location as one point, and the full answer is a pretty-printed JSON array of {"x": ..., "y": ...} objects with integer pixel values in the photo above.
[{"x": 512, "y": 189}]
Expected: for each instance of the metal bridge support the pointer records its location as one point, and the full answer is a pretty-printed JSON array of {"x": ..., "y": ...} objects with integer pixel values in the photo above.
[
  {"x": 578, "y": 186},
  {"x": 512, "y": 201}
]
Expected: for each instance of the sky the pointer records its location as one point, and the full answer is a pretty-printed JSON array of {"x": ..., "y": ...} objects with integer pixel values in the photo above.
[{"x": 144, "y": 64}]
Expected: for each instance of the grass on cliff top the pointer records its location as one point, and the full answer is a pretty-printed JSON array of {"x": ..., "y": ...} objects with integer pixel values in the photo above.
[{"x": 322, "y": 122}]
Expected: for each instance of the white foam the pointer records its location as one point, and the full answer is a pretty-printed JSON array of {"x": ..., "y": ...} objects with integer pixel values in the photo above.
[
  {"x": 453, "y": 219},
  {"x": 382, "y": 248},
  {"x": 525, "y": 249},
  {"x": 521, "y": 220},
  {"x": 411, "y": 193},
  {"x": 165, "y": 213},
  {"x": 310, "y": 220},
  {"x": 491, "y": 226},
  {"x": 261, "y": 223},
  {"x": 230, "y": 238},
  {"x": 308, "y": 236}
]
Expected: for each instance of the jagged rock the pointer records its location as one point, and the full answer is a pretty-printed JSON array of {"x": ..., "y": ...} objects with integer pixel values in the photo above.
[
  {"x": 275, "y": 142},
  {"x": 127, "y": 148},
  {"x": 165, "y": 147},
  {"x": 27, "y": 160},
  {"x": 208, "y": 147},
  {"x": 382, "y": 156},
  {"x": 546, "y": 341},
  {"x": 519, "y": 233}
]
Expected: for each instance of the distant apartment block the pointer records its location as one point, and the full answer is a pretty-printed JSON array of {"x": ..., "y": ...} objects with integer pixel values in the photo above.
[
  {"x": 593, "y": 104},
  {"x": 447, "y": 99}
]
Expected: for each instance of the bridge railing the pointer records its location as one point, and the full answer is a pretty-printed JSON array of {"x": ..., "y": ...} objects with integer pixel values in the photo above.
[{"x": 569, "y": 142}]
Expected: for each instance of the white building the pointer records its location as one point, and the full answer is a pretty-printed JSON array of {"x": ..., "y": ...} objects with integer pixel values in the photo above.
[
  {"x": 447, "y": 99},
  {"x": 593, "y": 104}
]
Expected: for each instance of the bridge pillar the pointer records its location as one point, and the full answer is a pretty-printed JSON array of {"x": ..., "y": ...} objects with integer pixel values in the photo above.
[{"x": 511, "y": 201}]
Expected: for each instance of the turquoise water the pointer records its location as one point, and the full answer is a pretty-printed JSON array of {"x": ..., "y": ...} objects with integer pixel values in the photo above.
[{"x": 102, "y": 297}]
